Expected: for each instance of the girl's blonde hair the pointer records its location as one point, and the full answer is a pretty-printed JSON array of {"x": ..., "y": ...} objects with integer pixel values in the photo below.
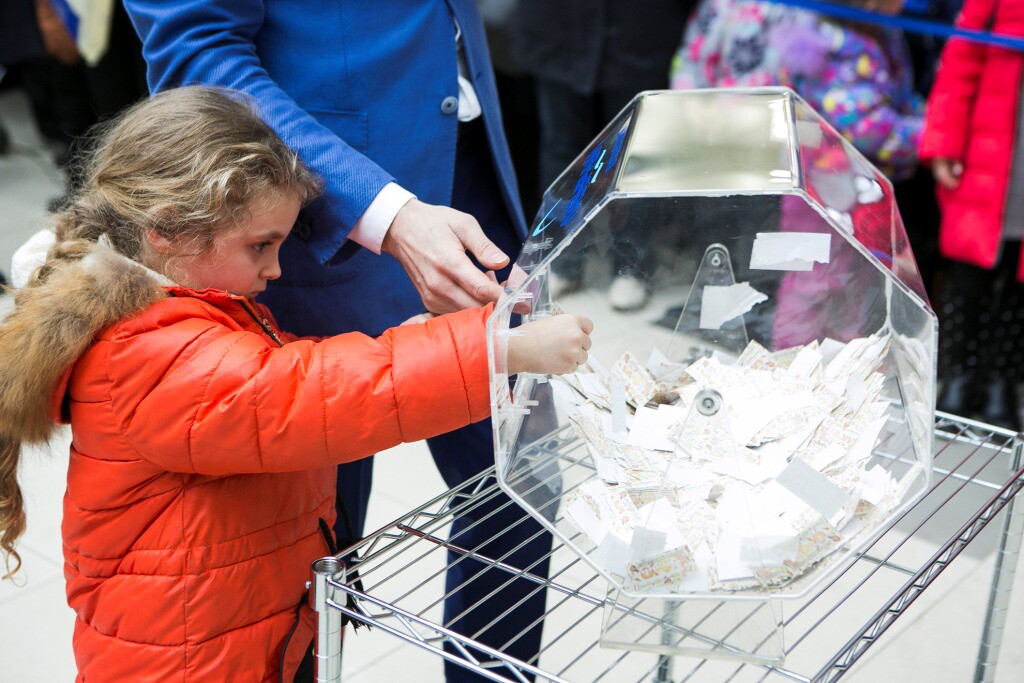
[{"x": 186, "y": 164}]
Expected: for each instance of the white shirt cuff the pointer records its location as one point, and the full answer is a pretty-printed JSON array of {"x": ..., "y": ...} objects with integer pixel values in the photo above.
[
  {"x": 469, "y": 103},
  {"x": 372, "y": 226}
]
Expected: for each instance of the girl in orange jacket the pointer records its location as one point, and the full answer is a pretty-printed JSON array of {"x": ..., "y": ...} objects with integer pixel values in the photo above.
[{"x": 204, "y": 439}]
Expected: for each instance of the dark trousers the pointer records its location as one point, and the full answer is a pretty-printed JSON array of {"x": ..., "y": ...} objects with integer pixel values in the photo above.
[
  {"x": 569, "y": 121},
  {"x": 465, "y": 452},
  {"x": 919, "y": 209}
]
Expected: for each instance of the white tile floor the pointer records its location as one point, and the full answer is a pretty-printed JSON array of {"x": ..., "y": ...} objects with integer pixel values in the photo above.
[{"x": 936, "y": 641}]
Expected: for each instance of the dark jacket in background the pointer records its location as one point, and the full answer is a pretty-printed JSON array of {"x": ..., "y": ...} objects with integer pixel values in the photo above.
[
  {"x": 20, "y": 39},
  {"x": 591, "y": 45}
]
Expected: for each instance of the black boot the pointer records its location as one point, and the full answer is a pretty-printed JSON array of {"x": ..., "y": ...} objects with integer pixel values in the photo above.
[
  {"x": 1002, "y": 349},
  {"x": 961, "y": 321},
  {"x": 959, "y": 395},
  {"x": 999, "y": 403}
]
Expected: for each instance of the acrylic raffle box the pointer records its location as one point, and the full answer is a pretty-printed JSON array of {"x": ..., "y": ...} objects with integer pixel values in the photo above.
[{"x": 766, "y": 415}]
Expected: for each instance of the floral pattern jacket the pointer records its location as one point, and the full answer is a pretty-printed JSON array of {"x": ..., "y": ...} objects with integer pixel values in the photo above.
[{"x": 858, "y": 78}]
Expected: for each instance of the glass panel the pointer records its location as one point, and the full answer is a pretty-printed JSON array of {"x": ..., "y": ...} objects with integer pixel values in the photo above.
[
  {"x": 854, "y": 195},
  {"x": 780, "y": 280},
  {"x": 711, "y": 141}
]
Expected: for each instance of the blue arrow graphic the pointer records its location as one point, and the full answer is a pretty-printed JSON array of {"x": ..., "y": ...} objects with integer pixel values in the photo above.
[
  {"x": 544, "y": 222},
  {"x": 597, "y": 166}
]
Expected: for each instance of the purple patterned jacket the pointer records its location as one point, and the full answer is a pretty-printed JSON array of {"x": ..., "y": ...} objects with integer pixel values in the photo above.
[{"x": 860, "y": 80}]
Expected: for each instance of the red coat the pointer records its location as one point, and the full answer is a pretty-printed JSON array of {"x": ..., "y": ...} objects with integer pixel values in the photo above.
[
  {"x": 203, "y": 460},
  {"x": 972, "y": 116}
]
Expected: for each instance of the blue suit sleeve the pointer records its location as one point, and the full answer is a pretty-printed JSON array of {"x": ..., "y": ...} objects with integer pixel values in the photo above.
[{"x": 212, "y": 42}]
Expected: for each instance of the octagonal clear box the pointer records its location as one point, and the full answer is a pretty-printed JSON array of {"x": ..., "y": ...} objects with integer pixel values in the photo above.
[{"x": 760, "y": 392}]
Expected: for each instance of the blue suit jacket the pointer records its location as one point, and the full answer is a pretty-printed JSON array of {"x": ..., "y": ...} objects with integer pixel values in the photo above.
[{"x": 356, "y": 89}]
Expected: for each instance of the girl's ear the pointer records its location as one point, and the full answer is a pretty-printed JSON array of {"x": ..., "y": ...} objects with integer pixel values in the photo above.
[{"x": 158, "y": 242}]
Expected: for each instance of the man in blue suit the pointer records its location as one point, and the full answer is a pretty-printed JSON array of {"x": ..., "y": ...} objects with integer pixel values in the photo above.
[{"x": 393, "y": 103}]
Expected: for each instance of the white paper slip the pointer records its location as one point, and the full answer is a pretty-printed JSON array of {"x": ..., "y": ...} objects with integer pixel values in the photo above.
[
  {"x": 606, "y": 467},
  {"x": 806, "y": 361},
  {"x": 566, "y": 398},
  {"x": 723, "y": 357},
  {"x": 683, "y": 474},
  {"x": 662, "y": 369},
  {"x": 659, "y": 516},
  {"x": 651, "y": 427},
  {"x": 618, "y": 401},
  {"x": 822, "y": 459},
  {"x": 593, "y": 385},
  {"x": 586, "y": 519},
  {"x": 596, "y": 366},
  {"x": 728, "y": 554},
  {"x": 856, "y": 392},
  {"x": 748, "y": 415},
  {"x": 612, "y": 555},
  {"x": 721, "y": 304},
  {"x": 865, "y": 444},
  {"x": 789, "y": 250},
  {"x": 752, "y": 473},
  {"x": 875, "y": 484},
  {"x": 828, "y": 349},
  {"x": 646, "y": 543},
  {"x": 766, "y": 550},
  {"x": 815, "y": 489}
]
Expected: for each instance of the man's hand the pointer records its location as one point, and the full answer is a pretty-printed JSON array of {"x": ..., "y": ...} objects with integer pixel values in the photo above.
[
  {"x": 947, "y": 172},
  {"x": 431, "y": 244}
]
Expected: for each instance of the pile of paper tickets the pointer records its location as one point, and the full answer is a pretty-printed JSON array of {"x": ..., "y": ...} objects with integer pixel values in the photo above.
[{"x": 753, "y": 494}]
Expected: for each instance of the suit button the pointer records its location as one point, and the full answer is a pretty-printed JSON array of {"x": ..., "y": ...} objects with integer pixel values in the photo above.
[
  {"x": 302, "y": 229},
  {"x": 449, "y": 105}
]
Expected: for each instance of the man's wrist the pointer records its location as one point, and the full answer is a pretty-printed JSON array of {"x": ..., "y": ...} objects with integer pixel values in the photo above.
[{"x": 372, "y": 227}]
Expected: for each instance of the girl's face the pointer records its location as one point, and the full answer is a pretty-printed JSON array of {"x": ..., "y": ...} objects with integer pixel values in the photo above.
[{"x": 242, "y": 260}]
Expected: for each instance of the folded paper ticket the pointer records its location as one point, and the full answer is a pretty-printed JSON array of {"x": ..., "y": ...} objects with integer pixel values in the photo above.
[{"x": 752, "y": 493}]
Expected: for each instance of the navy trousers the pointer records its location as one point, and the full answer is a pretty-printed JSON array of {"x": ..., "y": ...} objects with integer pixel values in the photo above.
[{"x": 461, "y": 454}]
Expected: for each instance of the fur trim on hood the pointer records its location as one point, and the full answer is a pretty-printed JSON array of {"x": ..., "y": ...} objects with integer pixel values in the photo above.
[{"x": 55, "y": 319}]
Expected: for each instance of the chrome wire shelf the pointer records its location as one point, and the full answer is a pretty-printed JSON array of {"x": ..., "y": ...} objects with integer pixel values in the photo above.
[{"x": 400, "y": 591}]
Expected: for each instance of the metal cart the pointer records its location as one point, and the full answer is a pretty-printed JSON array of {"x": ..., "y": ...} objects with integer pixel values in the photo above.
[{"x": 978, "y": 473}]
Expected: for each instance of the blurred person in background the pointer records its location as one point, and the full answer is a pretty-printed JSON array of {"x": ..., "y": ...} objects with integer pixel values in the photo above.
[
  {"x": 925, "y": 49},
  {"x": 972, "y": 141},
  {"x": 918, "y": 191},
  {"x": 857, "y": 76},
  {"x": 589, "y": 58},
  {"x": 20, "y": 40},
  {"x": 516, "y": 92},
  {"x": 69, "y": 92}
]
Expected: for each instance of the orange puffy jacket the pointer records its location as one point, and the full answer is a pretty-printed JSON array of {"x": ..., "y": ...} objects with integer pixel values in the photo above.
[{"x": 203, "y": 459}]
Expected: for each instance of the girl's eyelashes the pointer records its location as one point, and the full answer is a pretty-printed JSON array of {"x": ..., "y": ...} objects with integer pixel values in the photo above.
[{"x": 260, "y": 247}]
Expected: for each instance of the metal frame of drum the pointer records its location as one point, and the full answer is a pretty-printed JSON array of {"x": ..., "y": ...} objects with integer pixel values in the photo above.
[{"x": 970, "y": 458}]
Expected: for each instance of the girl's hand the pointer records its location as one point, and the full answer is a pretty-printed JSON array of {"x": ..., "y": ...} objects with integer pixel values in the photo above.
[
  {"x": 947, "y": 172},
  {"x": 550, "y": 346}
]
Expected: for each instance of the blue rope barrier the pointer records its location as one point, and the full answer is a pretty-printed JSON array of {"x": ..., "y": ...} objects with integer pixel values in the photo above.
[{"x": 925, "y": 26}]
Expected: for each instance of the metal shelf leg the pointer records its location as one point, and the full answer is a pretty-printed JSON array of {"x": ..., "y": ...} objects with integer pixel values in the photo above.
[
  {"x": 327, "y": 644},
  {"x": 1002, "y": 584}
]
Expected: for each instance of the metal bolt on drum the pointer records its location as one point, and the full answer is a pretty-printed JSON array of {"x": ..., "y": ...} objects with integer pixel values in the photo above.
[
  {"x": 708, "y": 402},
  {"x": 716, "y": 257}
]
